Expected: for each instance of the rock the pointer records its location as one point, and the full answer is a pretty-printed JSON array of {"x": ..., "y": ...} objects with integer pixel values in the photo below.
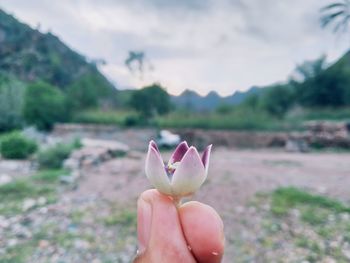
[
  {"x": 43, "y": 244},
  {"x": 112, "y": 146},
  {"x": 67, "y": 179},
  {"x": 81, "y": 244},
  {"x": 4, "y": 223},
  {"x": 346, "y": 253},
  {"x": 5, "y": 179},
  {"x": 41, "y": 201},
  {"x": 71, "y": 164},
  {"x": 296, "y": 145},
  {"x": 28, "y": 204},
  {"x": 12, "y": 242}
]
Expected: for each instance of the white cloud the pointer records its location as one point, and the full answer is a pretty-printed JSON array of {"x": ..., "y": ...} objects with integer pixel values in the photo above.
[{"x": 198, "y": 44}]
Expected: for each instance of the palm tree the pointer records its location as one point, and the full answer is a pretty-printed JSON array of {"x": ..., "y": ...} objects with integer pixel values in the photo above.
[{"x": 336, "y": 15}]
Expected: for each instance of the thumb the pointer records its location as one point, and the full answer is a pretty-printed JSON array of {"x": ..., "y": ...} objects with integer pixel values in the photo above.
[{"x": 159, "y": 230}]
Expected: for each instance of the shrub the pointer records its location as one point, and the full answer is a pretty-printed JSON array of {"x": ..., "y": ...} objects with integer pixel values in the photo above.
[
  {"x": 15, "y": 146},
  {"x": 52, "y": 158},
  {"x": 11, "y": 103},
  {"x": 44, "y": 105}
]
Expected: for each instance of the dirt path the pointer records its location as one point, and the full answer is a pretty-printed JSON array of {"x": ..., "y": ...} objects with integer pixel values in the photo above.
[{"x": 235, "y": 177}]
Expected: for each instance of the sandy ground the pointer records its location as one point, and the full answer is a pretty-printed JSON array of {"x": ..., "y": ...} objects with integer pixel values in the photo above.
[{"x": 235, "y": 176}]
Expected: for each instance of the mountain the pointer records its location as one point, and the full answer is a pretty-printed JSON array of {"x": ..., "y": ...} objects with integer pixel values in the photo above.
[
  {"x": 31, "y": 55},
  {"x": 193, "y": 101}
]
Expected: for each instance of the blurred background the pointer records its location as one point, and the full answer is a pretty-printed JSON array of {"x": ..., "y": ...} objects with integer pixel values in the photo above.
[{"x": 84, "y": 86}]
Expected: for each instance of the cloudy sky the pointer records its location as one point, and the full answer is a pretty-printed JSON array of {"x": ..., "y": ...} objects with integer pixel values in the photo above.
[{"x": 222, "y": 45}]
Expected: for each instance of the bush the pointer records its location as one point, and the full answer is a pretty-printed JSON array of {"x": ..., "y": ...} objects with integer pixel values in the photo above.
[
  {"x": 44, "y": 105},
  {"x": 151, "y": 101},
  {"x": 15, "y": 146},
  {"x": 11, "y": 103},
  {"x": 52, "y": 158}
]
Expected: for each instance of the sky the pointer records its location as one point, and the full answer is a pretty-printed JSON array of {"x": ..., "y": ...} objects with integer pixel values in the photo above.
[{"x": 203, "y": 45}]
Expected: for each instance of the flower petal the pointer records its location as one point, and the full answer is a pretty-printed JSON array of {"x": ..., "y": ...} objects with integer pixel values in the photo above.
[
  {"x": 179, "y": 153},
  {"x": 154, "y": 145},
  {"x": 206, "y": 157},
  {"x": 155, "y": 171},
  {"x": 189, "y": 175}
]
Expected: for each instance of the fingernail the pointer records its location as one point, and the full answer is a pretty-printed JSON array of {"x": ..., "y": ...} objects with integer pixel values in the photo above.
[{"x": 144, "y": 222}]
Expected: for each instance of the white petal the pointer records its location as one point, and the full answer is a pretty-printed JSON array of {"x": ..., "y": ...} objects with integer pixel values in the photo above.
[
  {"x": 155, "y": 171},
  {"x": 206, "y": 157},
  {"x": 189, "y": 175}
]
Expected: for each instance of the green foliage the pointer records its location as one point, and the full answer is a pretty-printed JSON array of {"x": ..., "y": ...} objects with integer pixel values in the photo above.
[
  {"x": 87, "y": 91},
  {"x": 151, "y": 101},
  {"x": 113, "y": 117},
  {"x": 329, "y": 89},
  {"x": 11, "y": 102},
  {"x": 284, "y": 199},
  {"x": 15, "y": 146},
  {"x": 123, "y": 217},
  {"x": 44, "y": 105},
  {"x": 277, "y": 100},
  {"x": 238, "y": 119},
  {"x": 42, "y": 184},
  {"x": 52, "y": 158}
]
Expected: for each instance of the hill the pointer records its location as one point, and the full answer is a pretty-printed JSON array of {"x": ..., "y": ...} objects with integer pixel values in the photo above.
[
  {"x": 193, "y": 101},
  {"x": 31, "y": 55}
]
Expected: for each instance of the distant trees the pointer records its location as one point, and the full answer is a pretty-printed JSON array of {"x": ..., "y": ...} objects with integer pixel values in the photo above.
[
  {"x": 44, "y": 105},
  {"x": 277, "y": 100},
  {"x": 11, "y": 102},
  {"x": 151, "y": 101},
  {"x": 337, "y": 15}
]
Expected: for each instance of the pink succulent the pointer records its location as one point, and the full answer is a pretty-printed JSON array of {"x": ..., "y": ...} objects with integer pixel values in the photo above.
[{"x": 183, "y": 175}]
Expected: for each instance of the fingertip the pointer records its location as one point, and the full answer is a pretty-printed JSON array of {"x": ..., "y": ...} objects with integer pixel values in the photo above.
[
  {"x": 159, "y": 231},
  {"x": 203, "y": 230}
]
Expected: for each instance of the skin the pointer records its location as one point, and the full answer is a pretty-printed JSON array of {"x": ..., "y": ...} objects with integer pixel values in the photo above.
[{"x": 192, "y": 233}]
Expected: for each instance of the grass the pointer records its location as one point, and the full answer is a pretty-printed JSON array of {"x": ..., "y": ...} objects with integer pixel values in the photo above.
[
  {"x": 124, "y": 217},
  {"x": 115, "y": 117},
  {"x": 284, "y": 199},
  {"x": 341, "y": 114},
  {"x": 237, "y": 120},
  {"x": 42, "y": 184}
]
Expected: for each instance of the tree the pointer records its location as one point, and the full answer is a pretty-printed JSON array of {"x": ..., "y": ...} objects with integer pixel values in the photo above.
[
  {"x": 337, "y": 15},
  {"x": 277, "y": 100},
  {"x": 11, "y": 102},
  {"x": 309, "y": 69},
  {"x": 329, "y": 89},
  {"x": 44, "y": 105},
  {"x": 150, "y": 101}
]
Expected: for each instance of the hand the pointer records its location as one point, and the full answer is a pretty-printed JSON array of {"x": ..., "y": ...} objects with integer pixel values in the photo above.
[{"x": 193, "y": 233}]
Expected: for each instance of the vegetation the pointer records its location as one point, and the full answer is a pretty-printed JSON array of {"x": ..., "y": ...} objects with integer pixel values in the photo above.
[
  {"x": 44, "y": 105},
  {"x": 11, "y": 102},
  {"x": 151, "y": 101},
  {"x": 52, "y": 158},
  {"x": 15, "y": 146},
  {"x": 113, "y": 117},
  {"x": 336, "y": 14},
  {"x": 284, "y": 199},
  {"x": 43, "y": 184}
]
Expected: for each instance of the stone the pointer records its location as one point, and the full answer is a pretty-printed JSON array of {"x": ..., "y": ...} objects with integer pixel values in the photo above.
[
  {"x": 41, "y": 201},
  {"x": 296, "y": 145},
  {"x": 28, "y": 204},
  {"x": 67, "y": 179},
  {"x": 5, "y": 179}
]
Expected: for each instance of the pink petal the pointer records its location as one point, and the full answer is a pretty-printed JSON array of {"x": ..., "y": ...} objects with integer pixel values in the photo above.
[
  {"x": 179, "y": 153},
  {"x": 206, "y": 157},
  {"x": 154, "y": 145},
  {"x": 155, "y": 171},
  {"x": 189, "y": 175}
]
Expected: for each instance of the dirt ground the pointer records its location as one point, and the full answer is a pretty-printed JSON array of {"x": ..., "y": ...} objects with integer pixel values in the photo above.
[{"x": 235, "y": 177}]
